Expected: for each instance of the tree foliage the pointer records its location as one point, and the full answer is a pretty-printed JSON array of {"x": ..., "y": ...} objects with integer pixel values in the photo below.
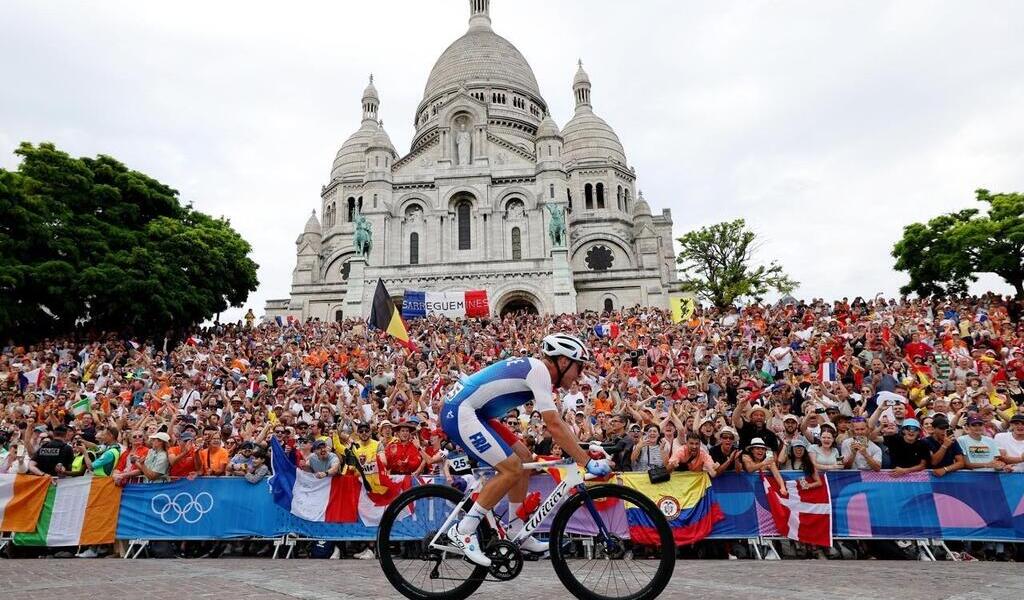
[
  {"x": 717, "y": 265},
  {"x": 948, "y": 252},
  {"x": 89, "y": 243}
]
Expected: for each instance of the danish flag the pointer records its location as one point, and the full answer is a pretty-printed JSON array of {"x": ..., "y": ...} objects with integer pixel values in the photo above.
[{"x": 805, "y": 515}]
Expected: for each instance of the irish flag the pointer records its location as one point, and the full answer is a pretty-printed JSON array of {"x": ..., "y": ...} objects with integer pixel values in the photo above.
[
  {"x": 21, "y": 501},
  {"x": 78, "y": 511},
  {"x": 80, "y": 406},
  {"x": 338, "y": 499}
]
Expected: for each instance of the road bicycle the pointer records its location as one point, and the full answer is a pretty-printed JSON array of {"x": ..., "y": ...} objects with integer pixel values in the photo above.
[{"x": 590, "y": 549}]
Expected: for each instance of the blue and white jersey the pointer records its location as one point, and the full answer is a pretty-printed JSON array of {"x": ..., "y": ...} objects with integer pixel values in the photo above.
[{"x": 505, "y": 385}]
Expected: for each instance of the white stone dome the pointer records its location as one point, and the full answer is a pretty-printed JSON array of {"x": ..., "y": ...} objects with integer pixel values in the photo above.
[
  {"x": 481, "y": 56},
  {"x": 548, "y": 128},
  {"x": 589, "y": 138},
  {"x": 641, "y": 208},
  {"x": 380, "y": 139},
  {"x": 312, "y": 225},
  {"x": 351, "y": 156}
]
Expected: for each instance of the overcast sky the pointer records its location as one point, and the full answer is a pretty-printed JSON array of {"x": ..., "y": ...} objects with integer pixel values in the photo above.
[{"x": 827, "y": 125}]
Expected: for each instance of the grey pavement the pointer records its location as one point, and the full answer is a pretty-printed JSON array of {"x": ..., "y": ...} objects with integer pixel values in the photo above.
[{"x": 235, "y": 579}]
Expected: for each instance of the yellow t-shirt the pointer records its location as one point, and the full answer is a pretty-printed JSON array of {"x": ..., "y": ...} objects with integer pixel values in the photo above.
[{"x": 367, "y": 456}]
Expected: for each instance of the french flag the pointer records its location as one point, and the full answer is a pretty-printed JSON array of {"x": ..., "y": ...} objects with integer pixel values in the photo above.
[
  {"x": 34, "y": 377},
  {"x": 608, "y": 330},
  {"x": 338, "y": 499},
  {"x": 802, "y": 515},
  {"x": 827, "y": 372}
]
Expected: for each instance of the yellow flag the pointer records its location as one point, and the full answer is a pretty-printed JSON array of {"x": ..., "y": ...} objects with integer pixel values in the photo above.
[{"x": 682, "y": 309}]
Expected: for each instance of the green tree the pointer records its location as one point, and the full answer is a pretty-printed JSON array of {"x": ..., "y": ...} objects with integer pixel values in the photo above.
[
  {"x": 89, "y": 243},
  {"x": 944, "y": 255},
  {"x": 717, "y": 265}
]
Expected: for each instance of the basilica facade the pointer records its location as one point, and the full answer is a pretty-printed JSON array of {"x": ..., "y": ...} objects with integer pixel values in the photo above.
[{"x": 470, "y": 205}]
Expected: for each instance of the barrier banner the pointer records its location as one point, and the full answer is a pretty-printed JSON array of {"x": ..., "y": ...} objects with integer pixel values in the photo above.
[
  {"x": 963, "y": 505},
  {"x": 472, "y": 303},
  {"x": 960, "y": 506},
  {"x": 206, "y": 508},
  {"x": 982, "y": 506}
]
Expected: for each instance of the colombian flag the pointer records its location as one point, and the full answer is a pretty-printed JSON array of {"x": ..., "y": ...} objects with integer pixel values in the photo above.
[
  {"x": 687, "y": 502},
  {"x": 384, "y": 316}
]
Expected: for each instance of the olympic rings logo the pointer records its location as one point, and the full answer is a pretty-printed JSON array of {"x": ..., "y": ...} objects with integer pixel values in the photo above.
[{"x": 182, "y": 507}]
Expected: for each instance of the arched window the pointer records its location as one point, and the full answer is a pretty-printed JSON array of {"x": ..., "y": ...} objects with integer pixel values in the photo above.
[
  {"x": 339, "y": 316},
  {"x": 568, "y": 198},
  {"x": 351, "y": 214},
  {"x": 517, "y": 244},
  {"x": 463, "y": 216},
  {"x": 625, "y": 199},
  {"x": 600, "y": 195},
  {"x": 608, "y": 305},
  {"x": 618, "y": 197},
  {"x": 588, "y": 197},
  {"x": 414, "y": 249},
  {"x": 359, "y": 204},
  {"x": 551, "y": 191}
]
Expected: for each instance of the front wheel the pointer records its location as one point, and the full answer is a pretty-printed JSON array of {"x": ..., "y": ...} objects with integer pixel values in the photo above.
[
  {"x": 594, "y": 558},
  {"x": 417, "y": 571}
]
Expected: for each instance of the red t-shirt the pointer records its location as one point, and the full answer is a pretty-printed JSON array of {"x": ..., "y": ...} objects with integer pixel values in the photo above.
[{"x": 403, "y": 458}]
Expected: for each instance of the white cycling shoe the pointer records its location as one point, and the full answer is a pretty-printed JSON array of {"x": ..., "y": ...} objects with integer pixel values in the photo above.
[
  {"x": 532, "y": 544},
  {"x": 469, "y": 544}
]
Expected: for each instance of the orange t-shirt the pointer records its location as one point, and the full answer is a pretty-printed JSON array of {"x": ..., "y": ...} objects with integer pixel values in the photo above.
[
  {"x": 185, "y": 466},
  {"x": 213, "y": 461},
  {"x": 603, "y": 404},
  {"x": 140, "y": 451}
]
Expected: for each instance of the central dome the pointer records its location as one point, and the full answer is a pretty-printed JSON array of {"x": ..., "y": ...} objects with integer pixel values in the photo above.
[{"x": 481, "y": 56}]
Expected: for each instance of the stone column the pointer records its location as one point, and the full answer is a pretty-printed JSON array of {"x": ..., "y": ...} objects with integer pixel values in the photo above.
[
  {"x": 355, "y": 287},
  {"x": 562, "y": 287}
]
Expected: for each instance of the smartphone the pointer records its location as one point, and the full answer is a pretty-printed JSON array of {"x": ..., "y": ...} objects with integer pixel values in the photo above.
[{"x": 21, "y": 451}]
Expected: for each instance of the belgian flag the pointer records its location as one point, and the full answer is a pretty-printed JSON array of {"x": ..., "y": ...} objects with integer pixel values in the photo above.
[{"x": 384, "y": 316}]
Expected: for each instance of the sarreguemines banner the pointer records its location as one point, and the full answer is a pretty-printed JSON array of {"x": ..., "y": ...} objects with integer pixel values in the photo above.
[{"x": 471, "y": 303}]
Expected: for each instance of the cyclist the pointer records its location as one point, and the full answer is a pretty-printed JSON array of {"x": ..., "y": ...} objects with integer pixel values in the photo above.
[{"x": 470, "y": 416}]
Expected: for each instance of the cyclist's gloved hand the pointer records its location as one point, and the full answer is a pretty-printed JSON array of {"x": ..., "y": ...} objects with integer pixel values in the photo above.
[{"x": 599, "y": 467}]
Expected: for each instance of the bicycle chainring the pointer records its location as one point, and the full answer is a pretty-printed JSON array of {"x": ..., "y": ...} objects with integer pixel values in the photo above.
[{"x": 506, "y": 560}]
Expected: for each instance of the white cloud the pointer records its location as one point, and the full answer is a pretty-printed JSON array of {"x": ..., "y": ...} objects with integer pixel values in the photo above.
[{"x": 828, "y": 125}]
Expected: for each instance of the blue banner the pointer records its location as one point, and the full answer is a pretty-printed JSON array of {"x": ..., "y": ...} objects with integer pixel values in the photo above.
[
  {"x": 865, "y": 504},
  {"x": 978, "y": 506},
  {"x": 414, "y": 305}
]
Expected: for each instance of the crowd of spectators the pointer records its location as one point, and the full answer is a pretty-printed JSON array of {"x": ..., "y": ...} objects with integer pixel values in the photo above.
[{"x": 901, "y": 385}]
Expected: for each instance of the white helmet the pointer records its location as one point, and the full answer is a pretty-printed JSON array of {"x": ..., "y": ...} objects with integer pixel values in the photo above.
[{"x": 563, "y": 344}]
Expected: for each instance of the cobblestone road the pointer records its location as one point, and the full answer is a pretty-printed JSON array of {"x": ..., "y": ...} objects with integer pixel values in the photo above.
[{"x": 238, "y": 579}]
